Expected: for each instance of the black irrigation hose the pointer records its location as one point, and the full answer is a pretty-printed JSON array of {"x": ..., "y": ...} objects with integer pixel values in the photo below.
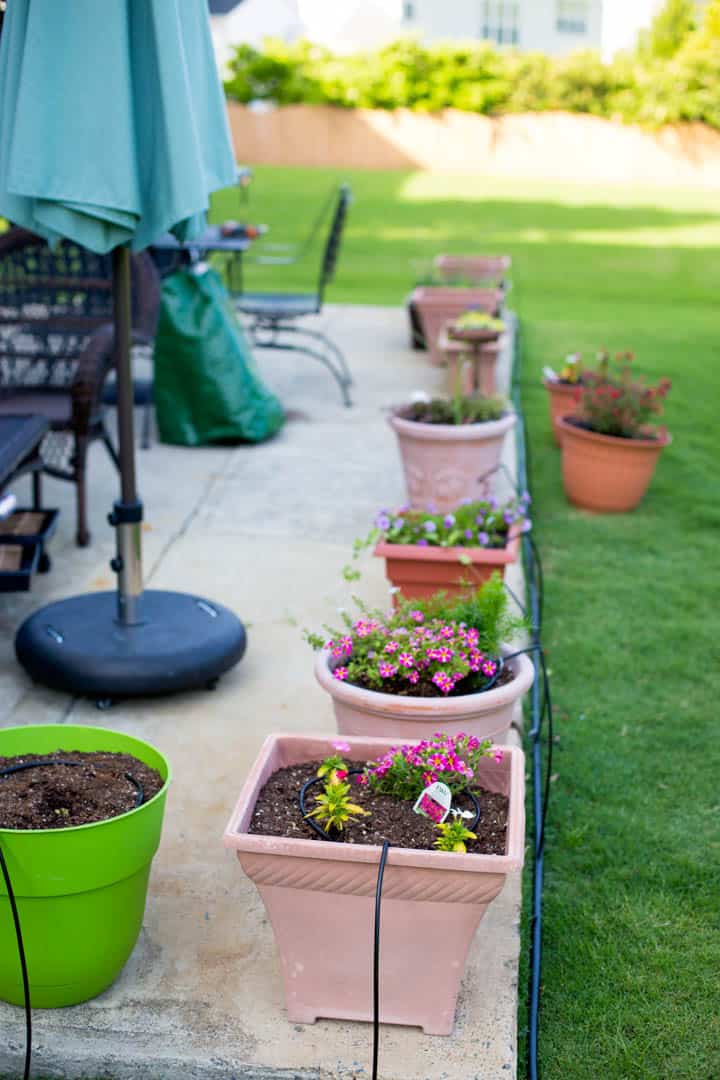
[
  {"x": 378, "y": 892},
  {"x": 376, "y": 961},
  {"x": 541, "y": 792},
  {"x": 20, "y": 767},
  {"x": 23, "y": 965}
]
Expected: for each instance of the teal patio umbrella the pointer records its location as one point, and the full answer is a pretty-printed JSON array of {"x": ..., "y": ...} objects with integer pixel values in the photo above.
[{"x": 113, "y": 131}]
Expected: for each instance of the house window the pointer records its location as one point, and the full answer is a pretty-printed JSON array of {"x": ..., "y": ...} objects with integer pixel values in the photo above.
[
  {"x": 572, "y": 16},
  {"x": 408, "y": 13},
  {"x": 500, "y": 21}
]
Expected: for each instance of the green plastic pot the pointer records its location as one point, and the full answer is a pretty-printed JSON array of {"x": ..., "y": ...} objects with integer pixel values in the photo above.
[{"x": 80, "y": 891}]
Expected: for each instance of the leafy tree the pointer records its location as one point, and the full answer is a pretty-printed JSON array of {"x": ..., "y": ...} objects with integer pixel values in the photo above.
[{"x": 669, "y": 30}]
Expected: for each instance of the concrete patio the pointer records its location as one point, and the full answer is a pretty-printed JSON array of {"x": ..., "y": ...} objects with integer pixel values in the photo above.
[{"x": 265, "y": 530}]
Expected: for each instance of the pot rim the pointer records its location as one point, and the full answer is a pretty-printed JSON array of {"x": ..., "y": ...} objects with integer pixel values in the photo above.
[
  {"x": 613, "y": 440},
  {"x": 62, "y": 729},
  {"x": 254, "y": 843},
  {"x": 423, "y": 431},
  {"x": 418, "y": 553},
  {"x": 403, "y": 707}
]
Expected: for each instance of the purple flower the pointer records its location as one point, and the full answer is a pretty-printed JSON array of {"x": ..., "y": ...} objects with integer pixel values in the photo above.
[
  {"x": 398, "y": 523},
  {"x": 449, "y": 521},
  {"x": 431, "y": 508},
  {"x": 430, "y": 526},
  {"x": 479, "y": 519},
  {"x": 492, "y": 502},
  {"x": 382, "y": 521},
  {"x": 483, "y": 539},
  {"x": 509, "y": 517},
  {"x": 468, "y": 534},
  {"x": 423, "y": 543}
]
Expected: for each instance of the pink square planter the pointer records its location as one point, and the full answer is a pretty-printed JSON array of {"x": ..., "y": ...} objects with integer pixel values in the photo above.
[
  {"x": 408, "y": 719},
  {"x": 320, "y": 898},
  {"x": 473, "y": 267}
]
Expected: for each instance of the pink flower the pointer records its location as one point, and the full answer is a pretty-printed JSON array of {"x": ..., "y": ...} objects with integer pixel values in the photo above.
[
  {"x": 346, "y": 644},
  {"x": 343, "y": 747},
  {"x": 406, "y": 659},
  {"x": 361, "y": 779},
  {"x": 498, "y": 755},
  {"x": 417, "y": 616},
  {"x": 392, "y": 646},
  {"x": 340, "y": 774},
  {"x": 386, "y": 670},
  {"x": 340, "y": 673},
  {"x": 413, "y": 676}
]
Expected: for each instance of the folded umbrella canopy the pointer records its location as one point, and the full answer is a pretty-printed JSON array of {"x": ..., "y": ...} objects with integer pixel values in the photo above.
[{"x": 113, "y": 131}]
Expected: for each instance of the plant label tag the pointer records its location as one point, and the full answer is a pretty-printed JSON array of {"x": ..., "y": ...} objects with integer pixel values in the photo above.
[{"x": 434, "y": 802}]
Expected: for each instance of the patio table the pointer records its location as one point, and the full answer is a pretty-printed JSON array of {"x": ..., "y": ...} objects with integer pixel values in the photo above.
[{"x": 20, "y": 438}]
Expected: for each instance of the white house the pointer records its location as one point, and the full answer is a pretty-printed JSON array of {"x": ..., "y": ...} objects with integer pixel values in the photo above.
[{"x": 550, "y": 26}]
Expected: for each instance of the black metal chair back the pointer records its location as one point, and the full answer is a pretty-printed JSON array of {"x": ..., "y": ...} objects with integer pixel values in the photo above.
[{"x": 332, "y": 244}]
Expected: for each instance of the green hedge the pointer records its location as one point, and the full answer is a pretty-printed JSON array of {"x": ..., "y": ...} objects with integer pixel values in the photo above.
[{"x": 648, "y": 87}]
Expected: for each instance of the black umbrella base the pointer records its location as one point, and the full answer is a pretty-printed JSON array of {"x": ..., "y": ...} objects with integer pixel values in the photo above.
[{"x": 78, "y": 646}]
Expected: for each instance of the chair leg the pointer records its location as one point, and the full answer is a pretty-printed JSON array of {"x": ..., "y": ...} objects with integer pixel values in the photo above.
[
  {"x": 37, "y": 489},
  {"x": 326, "y": 360},
  {"x": 82, "y": 536},
  {"x": 147, "y": 425},
  {"x": 110, "y": 447}
]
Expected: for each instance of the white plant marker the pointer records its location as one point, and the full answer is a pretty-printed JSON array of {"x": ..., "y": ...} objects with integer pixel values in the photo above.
[{"x": 434, "y": 802}]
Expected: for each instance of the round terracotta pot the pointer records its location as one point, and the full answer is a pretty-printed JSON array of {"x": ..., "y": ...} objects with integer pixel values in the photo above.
[
  {"x": 561, "y": 399},
  {"x": 446, "y": 463},
  {"x": 606, "y": 473},
  {"x": 486, "y": 715}
]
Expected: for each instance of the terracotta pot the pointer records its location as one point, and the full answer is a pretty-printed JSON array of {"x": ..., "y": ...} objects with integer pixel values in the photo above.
[
  {"x": 446, "y": 463},
  {"x": 369, "y": 712},
  {"x": 436, "y": 304},
  {"x": 320, "y": 899},
  {"x": 419, "y": 572},
  {"x": 473, "y": 267},
  {"x": 561, "y": 399},
  {"x": 606, "y": 473}
]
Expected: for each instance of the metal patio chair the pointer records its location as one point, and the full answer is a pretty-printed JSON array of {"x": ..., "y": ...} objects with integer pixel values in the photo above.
[
  {"x": 57, "y": 346},
  {"x": 275, "y": 316}
]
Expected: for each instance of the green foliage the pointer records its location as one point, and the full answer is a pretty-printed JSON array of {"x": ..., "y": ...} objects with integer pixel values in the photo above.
[
  {"x": 673, "y": 75},
  {"x": 487, "y": 611},
  {"x": 615, "y": 402},
  {"x": 456, "y": 410},
  {"x": 669, "y": 30},
  {"x": 484, "y": 523},
  {"x": 334, "y": 808},
  {"x": 453, "y": 835}
]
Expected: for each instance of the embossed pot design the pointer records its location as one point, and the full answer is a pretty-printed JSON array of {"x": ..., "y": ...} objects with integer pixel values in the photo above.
[
  {"x": 446, "y": 463},
  {"x": 605, "y": 473},
  {"x": 370, "y": 712},
  {"x": 320, "y": 899}
]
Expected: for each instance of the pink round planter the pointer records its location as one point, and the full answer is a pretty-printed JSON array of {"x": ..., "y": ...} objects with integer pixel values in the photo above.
[
  {"x": 446, "y": 463},
  {"x": 473, "y": 267},
  {"x": 320, "y": 897},
  {"x": 370, "y": 712}
]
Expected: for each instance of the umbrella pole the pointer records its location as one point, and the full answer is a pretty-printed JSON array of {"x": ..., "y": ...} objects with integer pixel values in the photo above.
[{"x": 128, "y": 510}]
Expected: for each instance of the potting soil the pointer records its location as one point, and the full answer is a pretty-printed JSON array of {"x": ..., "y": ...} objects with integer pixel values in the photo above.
[
  {"x": 59, "y": 796},
  {"x": 277, "y": 813}
]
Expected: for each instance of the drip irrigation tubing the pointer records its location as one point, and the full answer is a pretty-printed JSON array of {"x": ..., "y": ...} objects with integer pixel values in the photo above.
[
  {"x": 139, "y": 800},
  {"x": 534, "y": 579}
]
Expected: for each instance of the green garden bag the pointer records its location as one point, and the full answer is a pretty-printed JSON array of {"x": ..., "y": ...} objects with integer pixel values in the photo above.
[{"x": 207, "y": 388}]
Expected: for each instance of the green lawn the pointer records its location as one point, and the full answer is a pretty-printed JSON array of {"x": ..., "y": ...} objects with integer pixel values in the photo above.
[{"x": 631, "y": 985}]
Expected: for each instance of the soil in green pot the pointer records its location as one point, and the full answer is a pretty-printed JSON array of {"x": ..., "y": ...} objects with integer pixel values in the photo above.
[
  {"x": 277, "y": 813},
  {"x": 102, "y": 785}
]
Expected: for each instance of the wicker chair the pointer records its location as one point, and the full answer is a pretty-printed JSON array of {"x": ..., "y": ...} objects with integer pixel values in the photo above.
[{"x": 56, "y": 345}]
